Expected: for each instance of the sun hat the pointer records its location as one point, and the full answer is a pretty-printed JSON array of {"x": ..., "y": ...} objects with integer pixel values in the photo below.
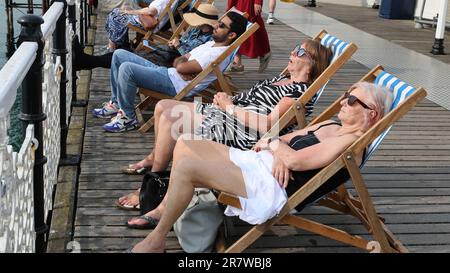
[{"x": 204, "y": 14}]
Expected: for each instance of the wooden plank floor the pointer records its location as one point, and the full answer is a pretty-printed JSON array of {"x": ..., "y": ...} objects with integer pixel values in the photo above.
[
  {"x": 401, "y": 32},
  {"x": 408, "y": 177}
]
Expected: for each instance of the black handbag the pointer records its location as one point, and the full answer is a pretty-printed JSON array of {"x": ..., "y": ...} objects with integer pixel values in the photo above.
[{"x": 153, "y": 189}]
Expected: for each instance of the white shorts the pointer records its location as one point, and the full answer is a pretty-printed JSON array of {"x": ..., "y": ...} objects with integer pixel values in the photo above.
[{"x": 265, "y": 197}]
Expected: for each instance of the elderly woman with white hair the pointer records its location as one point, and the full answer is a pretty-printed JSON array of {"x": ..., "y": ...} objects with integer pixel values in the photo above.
[{"x": 264, "y": 177}]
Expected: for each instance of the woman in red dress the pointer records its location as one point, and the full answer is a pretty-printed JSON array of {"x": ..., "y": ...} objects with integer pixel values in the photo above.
[{"x": 256, "y": 45}]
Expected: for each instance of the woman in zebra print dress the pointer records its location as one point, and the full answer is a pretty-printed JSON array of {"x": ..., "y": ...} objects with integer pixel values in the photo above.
[{"x": 237, "y": 121}]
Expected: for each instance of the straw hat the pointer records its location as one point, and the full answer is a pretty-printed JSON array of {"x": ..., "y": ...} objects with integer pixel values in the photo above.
[{"x": 205, "y": 14}]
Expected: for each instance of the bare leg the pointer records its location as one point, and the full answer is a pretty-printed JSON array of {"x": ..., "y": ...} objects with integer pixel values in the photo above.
[
  {"x": 111, "y": 45},
  {"x": 193, "y": 168},
  {"x": 238, "y": 59},
  {"x": 272, "y": 5},
  {"x": 167, "y": 113}
]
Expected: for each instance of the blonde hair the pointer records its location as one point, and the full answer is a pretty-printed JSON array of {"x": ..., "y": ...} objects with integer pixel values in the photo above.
[{"x": 380, "y": 99}]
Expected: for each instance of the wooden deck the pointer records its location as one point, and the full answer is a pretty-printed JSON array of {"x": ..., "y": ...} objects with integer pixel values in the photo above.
[
  {"x": 401, "y": 32},
  {"x": 408, "y": 177}
]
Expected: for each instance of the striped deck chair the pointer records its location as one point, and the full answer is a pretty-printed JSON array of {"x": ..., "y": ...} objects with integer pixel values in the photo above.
[
  {"x": 198, "y": 83},
  {"x": 166, "y": 15},
  {"x": 361, "y": 207},
  {"x": 342, "y": 51},
  {"x": 183, "y": 26}
]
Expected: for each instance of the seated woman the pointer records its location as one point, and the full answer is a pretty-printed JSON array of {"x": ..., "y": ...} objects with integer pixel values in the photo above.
[
  {"x": 201, "y": 21},
  {"x": 146, "y": 18},
  {"x": 237, "y": 121},
  {"x": 265, "y": 174}
]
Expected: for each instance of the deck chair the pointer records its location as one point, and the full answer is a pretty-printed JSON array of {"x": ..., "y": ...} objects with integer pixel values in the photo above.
[
  {"x": 166, "y": 15},
  {"x": 342, "y": 51},
  {"x": 361, "y": 207},
  {"x": 183, "y": 26},
  {"x": 197, "y": 84}
]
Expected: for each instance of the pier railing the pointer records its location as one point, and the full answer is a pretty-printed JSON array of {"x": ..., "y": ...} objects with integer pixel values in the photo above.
[{"x": 42, "y": 68}]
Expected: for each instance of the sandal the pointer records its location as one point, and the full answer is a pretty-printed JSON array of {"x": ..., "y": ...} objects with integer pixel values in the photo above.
[
  {"x": 237, "y": 68},
  {"x": 130, "y": 170},
  {"x": 151, "y": 223}
]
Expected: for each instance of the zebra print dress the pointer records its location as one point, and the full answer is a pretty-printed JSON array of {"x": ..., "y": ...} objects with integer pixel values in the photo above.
[{"x": 262, "y": 98}]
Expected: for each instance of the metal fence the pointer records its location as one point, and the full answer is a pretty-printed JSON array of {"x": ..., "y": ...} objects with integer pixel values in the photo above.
[{"x": 42, "y": 67}]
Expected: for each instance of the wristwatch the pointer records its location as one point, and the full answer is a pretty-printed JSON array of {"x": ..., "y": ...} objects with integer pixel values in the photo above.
[{"x": 230, "y": 110}]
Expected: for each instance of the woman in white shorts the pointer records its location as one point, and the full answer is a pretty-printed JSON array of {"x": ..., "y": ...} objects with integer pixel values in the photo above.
[{"x": 265, "y": 176}]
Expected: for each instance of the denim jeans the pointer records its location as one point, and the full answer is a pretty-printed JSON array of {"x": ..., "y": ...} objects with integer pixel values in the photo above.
[{"x": 128, "y": 72}]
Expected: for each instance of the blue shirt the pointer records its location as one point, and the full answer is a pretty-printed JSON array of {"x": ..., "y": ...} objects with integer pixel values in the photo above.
[{"x": 192, "y": 39}]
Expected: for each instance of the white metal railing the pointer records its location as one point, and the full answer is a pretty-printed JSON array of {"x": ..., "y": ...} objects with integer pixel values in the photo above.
[{"x": 16, "y": 169}]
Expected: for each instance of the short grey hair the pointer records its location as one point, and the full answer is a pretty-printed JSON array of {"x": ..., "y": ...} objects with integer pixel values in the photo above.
[{"x": 380, "y": 97}]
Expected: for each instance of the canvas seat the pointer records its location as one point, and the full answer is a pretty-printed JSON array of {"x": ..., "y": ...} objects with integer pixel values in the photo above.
[
  {"x": 342, "y": 51},
  {"x": 167, "y": 15}
]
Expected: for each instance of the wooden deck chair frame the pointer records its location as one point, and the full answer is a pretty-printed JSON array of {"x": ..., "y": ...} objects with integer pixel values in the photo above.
[
  {"x": 298, "y": 110},
  {"x": 342, "y": 201},
  {"x": 183, "y": 26},
  {"x": 150, "y": 33},
  {"x": 214, "y": 67}
]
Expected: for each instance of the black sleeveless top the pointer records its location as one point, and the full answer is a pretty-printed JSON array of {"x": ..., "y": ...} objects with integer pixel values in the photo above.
[{"x": 301, "y": 177}]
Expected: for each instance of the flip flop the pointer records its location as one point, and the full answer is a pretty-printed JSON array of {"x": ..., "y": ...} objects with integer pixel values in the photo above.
[
  {"x": 127, "y": 207},
  {"x": 129, "y": 250},
  {"x": 130, "y": 170},
  {"x": 151, "y": 223}
]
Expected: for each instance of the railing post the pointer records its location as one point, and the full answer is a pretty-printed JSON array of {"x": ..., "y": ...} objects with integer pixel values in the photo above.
[
  {"x": 86, "y": 18},
  {"x": 438, "y": 46},
  {"x": 73, "y": 20},
  {"x": 81, "y": 23},
  {"x": 32, "y": 114},
  {"x": 60, "y": 49}
]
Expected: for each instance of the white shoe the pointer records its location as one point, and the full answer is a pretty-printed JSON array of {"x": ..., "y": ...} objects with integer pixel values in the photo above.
[{"x": 270, "y": 20}]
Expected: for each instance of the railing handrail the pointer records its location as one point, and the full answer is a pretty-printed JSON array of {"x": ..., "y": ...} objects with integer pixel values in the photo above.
[
  {"x": 15, "y": 70},
  {"x": 50, "y": 18},
  {"x": 44, "y": 48},
  {"x": 13, "y": 73}
]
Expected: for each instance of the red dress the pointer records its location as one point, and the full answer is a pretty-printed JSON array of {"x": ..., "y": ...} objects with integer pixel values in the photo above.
[{"x": 256, "y": 45}]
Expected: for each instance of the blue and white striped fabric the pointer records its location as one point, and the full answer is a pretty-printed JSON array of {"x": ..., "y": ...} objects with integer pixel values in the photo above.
[
  {"x": 400, "y": 91},
  {"x": 337, "y": 46}
]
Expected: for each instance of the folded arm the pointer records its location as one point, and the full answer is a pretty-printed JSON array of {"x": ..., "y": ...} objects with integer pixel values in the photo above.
[
  {"x": 187, "y": 69},
  {"x": 260, "y": 122},
  {"x": 312, "y": 157}
]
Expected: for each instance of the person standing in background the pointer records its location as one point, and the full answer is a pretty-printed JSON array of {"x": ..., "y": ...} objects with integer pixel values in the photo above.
[
  {"x": 256, "y": 45},
  {"x": 272, "y": 6}
]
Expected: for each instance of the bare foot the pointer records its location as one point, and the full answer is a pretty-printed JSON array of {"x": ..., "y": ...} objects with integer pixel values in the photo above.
[
  {"x": 144, "y": 163},
  {"x": 131, "y": 199},
  {"x": 151, "y": 244}
]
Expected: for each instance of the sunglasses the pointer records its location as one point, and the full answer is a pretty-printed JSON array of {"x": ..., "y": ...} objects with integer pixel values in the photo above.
[
  {"x": 222, "y": 25},
  {"x": 352, "y": 99},
  {"x": 301, "y": 51}
]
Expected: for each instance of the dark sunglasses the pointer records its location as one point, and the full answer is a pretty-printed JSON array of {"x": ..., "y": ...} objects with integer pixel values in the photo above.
[
  {"x": 352, "y": 99},
  {"x": 222, "y": 25},
  {"x": 301, "y": 51}
]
